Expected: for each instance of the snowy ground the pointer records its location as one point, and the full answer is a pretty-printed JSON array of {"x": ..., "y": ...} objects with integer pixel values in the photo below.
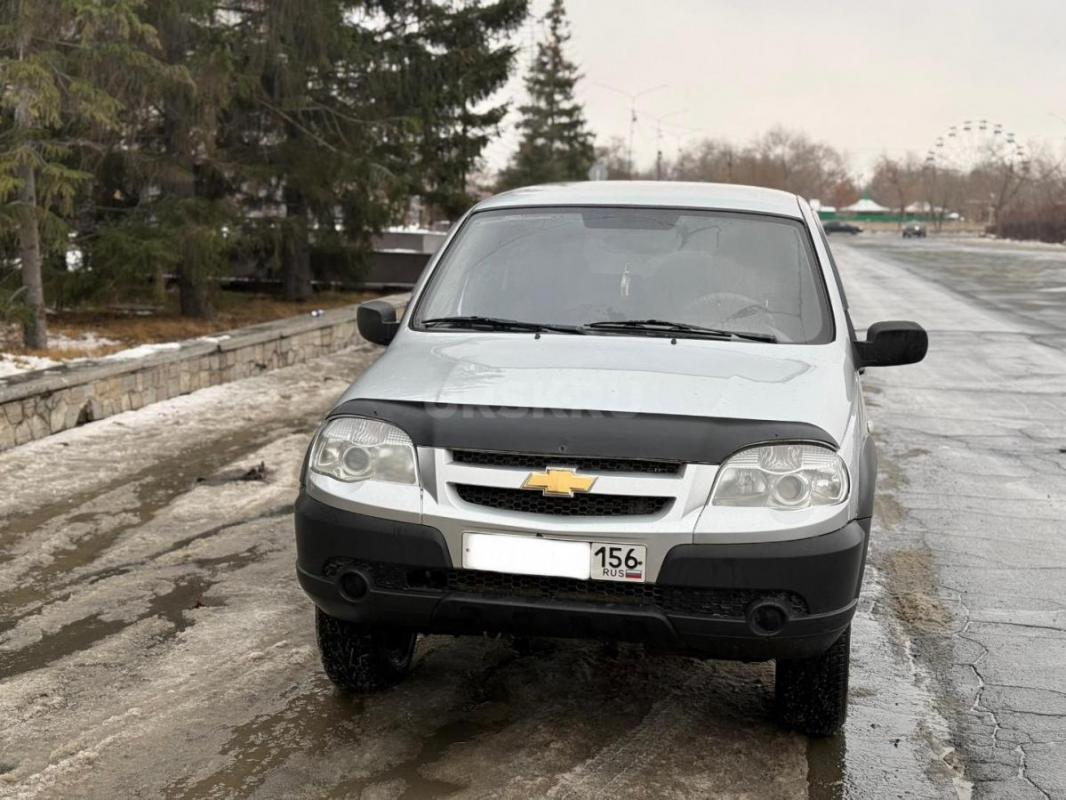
[
  {"x": 77, "y": 347},
  {"x": 15, "y": 364},
  {"x": 154, "y": 642}
]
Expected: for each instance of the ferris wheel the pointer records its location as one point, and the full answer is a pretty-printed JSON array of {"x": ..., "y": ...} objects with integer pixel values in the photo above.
[{"x": 963, "y": 147}]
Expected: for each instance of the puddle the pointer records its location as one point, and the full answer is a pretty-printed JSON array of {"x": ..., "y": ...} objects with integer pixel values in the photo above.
[
  {"x": 825, "y": 768},
  {"x": 160, "y": 482},
  {"x": 187, "y": 594},
  {"x": 319, "y": 719},
  {"x": 68, "y": 640},
  {"x": 80, "y": 635},
  {"x": 312, "y": 720},
  {"x": 483, "y": 690},
  {"x": 156, "y": 487},
  {"x": 409, "y": 771},
  {"x": 230, "y": 560}
]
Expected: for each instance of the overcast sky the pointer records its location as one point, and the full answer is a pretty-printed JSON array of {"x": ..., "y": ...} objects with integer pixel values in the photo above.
[{"x": 862, "y": 76}]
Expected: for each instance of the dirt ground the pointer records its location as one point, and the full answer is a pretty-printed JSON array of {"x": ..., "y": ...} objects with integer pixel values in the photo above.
[{"x": 100, "y": 332}]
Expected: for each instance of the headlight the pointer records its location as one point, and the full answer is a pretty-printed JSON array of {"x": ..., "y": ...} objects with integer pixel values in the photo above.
[
  {"x": 787, "y": 476},
  {"x": 356, "y": 449}
]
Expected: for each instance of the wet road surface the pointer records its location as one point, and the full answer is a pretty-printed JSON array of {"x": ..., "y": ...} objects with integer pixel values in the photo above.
[
  {"x": 974, "y": 492},
  {"x": 154, "y": 643}
]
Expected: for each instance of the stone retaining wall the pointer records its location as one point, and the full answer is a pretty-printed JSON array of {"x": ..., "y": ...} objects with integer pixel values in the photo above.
[{"x": 36, "y": 404}]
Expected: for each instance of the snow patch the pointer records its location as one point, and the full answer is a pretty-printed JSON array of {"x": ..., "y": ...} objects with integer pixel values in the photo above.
[
  {"x": 15, "y": 363},
  {"x": 12, "y": 364},
  {"x": 142, "y": 351},
  {"x": 84, "y": 342}
]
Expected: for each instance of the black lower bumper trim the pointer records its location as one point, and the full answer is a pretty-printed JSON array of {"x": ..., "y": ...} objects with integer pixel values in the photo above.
[
  {"x": 817, "y": 568},
  {"x": 324, "y": 532},
  {"x": 698, "y": 604}
]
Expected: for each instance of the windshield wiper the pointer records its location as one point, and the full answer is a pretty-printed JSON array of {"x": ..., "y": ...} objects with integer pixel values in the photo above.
[
  {"x": 475, "y": 321},
  {"x": 659, "y": 326}
]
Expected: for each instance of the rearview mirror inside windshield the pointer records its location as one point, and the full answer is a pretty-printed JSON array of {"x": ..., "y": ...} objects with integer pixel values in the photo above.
[{"x": 645, "y": 220}]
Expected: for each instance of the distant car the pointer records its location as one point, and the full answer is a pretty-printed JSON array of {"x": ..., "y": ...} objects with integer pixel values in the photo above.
[
  {"x": 839, "y": 226},
  {"x": 913, "y": 230}
]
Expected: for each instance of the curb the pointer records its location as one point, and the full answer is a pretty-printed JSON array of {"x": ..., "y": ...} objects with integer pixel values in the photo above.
[{"x": 39, "y": 403}]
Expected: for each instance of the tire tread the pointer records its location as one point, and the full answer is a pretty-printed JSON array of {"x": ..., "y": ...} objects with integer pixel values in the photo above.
[
  {"x": 353, "y": 657},
  {"x": 812, "y": 693}
]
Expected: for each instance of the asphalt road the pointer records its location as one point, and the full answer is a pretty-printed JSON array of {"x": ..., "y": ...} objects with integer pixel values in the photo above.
[
  {"x": 154, "y": 643},
  {"x": 973, "y": 492}
]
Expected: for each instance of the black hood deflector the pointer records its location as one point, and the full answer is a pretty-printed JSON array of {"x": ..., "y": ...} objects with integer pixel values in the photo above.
[{"x": 604, "y": 434}]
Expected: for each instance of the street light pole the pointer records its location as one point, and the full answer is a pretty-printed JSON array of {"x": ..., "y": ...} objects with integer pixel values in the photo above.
[
  {"x": 632, "y": 114},
  {"x": 659, "y": 140},
  {"x": 632, "y": 129}
]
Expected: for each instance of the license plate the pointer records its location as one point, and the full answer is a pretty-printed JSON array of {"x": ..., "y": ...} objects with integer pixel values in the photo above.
[
  {"x": 535, "y": 555},
  {"x": 617, "y": 562}
]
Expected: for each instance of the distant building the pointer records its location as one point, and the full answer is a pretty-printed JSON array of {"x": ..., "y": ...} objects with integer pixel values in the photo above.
[
  {"x": 870, "y": 210},
  {"x": 866, "y": 206}
]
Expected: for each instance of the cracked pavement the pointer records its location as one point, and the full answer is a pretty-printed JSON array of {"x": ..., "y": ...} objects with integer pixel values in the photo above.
[
  {"x": 974, "y": 491},
  {"x": 154, "y": 643}
]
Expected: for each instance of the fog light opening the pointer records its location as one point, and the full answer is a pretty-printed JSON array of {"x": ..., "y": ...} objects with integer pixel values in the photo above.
[
  {"x": 353, "y": 585},
  {"x": 767, "y": 617}
]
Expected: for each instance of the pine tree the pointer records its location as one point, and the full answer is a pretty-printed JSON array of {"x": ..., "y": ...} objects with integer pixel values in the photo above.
[
  {"x": 160, "y": 196},
  {"x": 66, "y": 66},
  {"x": 306, "y": 135},
  {"x": 449, "y": 61},
  {"x": 556, "y": 144},
  {"x": 183, "y": 136},
  {"x": 350, "y": 107},
  {"x": 190, "y": 210}
]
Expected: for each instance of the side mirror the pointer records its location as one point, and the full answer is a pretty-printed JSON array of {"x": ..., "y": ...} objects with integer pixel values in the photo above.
[
  {"x": 889, "y": 344},
  {"x": 377, "y": 321}
]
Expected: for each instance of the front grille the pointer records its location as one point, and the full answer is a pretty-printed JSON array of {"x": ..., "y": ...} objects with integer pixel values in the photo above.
[
  {"x": 671, "y": 599},
  {"x": 586, "y": 463},
  {"x": 580, "y": 505}
]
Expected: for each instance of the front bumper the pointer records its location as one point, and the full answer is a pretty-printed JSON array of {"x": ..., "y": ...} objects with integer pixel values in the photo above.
[{"x": 703, "y": 600}]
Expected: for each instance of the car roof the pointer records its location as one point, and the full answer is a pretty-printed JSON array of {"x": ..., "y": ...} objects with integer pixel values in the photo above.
[{"x": 660, "y": 194}]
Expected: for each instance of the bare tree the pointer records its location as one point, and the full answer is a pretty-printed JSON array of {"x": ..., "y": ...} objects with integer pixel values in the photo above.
[
  {"x": 615, "y": 155},
  {"x": 780, "y": 159},
  {"x": 996, "y": 181},
  {"x": 1037, "y": 209},
  {"x": 900, "y": 180}
]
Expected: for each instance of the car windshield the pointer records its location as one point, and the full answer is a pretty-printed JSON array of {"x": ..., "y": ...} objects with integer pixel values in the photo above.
[{"x": 749, "y": 273}]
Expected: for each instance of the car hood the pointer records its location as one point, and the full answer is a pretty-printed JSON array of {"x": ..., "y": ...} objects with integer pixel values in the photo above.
[{"x": 694, "y": 377}]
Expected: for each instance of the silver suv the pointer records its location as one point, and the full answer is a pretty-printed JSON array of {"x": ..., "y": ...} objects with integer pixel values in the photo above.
[{"x": 628, "y": 411}]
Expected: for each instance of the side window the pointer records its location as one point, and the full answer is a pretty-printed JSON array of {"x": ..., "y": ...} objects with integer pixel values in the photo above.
[{"x": 840, "y": 285}]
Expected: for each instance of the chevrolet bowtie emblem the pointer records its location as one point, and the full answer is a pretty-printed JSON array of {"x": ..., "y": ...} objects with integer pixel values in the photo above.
[{"x": 558, "y": 482}]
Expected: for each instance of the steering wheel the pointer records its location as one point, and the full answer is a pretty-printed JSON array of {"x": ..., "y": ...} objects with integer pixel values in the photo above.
[
  {"x": 581, "y": 313},
  {"x": 747, "y": 312},
  {"x": 724, "y": 307}
]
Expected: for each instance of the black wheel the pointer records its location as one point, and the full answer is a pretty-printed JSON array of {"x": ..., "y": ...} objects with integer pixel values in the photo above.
[
  {"x": 359, "y": 659},
  {"x": 812, "y": 693}
]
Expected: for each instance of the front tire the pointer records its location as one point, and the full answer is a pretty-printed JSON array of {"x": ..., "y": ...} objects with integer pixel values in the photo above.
[
  {"x": 812, "y": 693},
  {"x": 361, "y": 660}
]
